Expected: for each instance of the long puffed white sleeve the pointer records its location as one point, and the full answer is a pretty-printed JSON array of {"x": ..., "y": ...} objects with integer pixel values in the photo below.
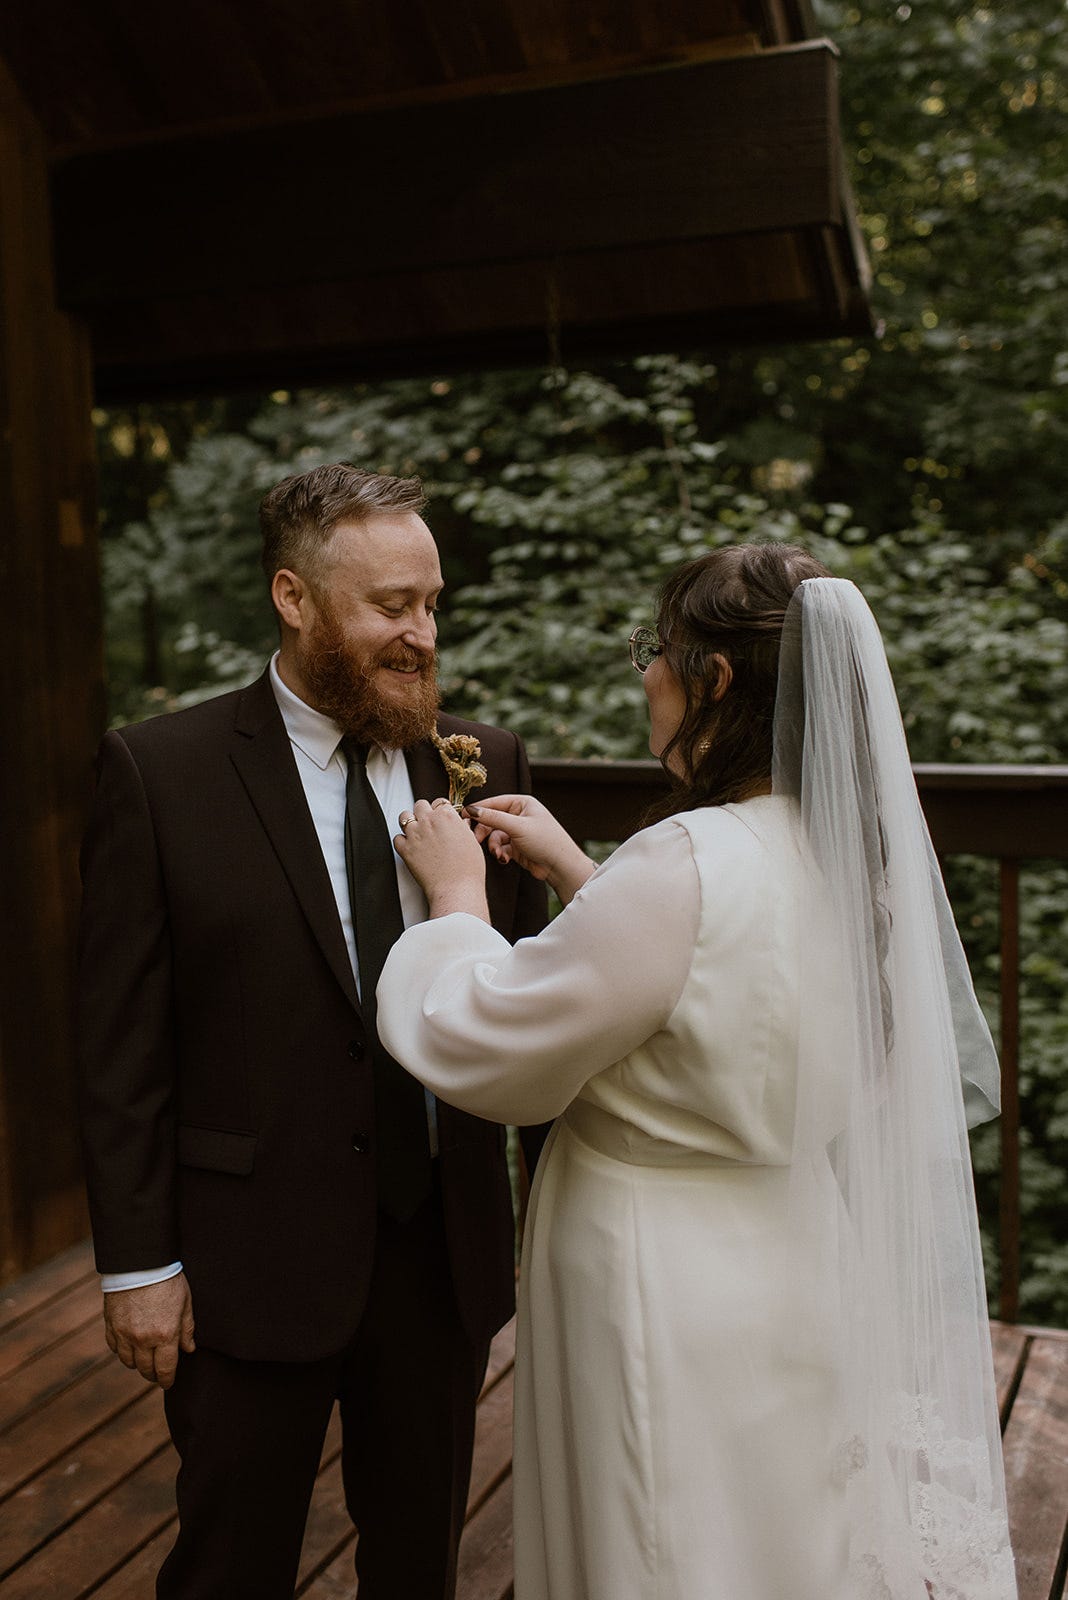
[{"x": 512, "y": 1034}]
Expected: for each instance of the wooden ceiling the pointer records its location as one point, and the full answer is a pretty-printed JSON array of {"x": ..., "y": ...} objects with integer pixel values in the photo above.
[
  {"x": 280, "y": 190},
  {"x": 100, "y": 72}
]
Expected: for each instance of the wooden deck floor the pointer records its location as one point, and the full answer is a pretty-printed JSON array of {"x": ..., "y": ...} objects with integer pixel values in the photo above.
[{"x": 87, "y": 1470}]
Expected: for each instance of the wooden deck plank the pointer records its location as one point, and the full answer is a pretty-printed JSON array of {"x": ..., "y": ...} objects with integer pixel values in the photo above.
[
  {"x": 328, "y": 1526},
  {"x": 493, "y": 1442},
  {"x": 51, "y": 1372},
  {"x": 32, "y": 1335},
  {"x": 136, "y": 1578},
  {"x": 34, "y": 1290},
  {"x": 336, "y": 1581},
  {"x": 501, "y": 1356},
  {"x": 33, "y": 1443},
  {"x": 1036, "y": 1468},
  {"x": 485, "y": 1571},
  {"x": 329, "y": 1530},
  {"x": 76, "y": 1480},
  {"x": 1010, "y": 1346},
  {"x": 99, "y": 1543}
]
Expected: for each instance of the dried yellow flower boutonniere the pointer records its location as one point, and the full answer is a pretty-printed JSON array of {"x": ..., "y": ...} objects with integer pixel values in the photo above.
[{"x": 459, "y": 753}]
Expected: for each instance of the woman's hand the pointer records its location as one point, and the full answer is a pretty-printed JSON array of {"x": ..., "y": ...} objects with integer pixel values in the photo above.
[
  {"x": 441, "y": 852},
  {"x": 516, "y": 827}
]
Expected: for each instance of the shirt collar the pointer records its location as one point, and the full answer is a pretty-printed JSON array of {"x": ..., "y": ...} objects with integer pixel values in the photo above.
[{"x": 317, "y": 735}]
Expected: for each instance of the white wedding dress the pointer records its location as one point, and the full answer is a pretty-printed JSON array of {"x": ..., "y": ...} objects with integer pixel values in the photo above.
[{"x": 676, "y": 1364}]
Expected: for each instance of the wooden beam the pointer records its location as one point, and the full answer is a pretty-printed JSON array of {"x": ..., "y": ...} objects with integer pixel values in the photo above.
[
  {"x": 1010, "y": 813},
  {"x": 51, "y": 709},
  {"x": 519, "y": 82},
  {"x": 577, "y": 222},
  {"x": 576, "y": 308},
  {"x": 724, "y": 147}
]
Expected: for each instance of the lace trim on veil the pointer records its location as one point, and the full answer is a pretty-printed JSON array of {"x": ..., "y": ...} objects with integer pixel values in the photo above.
[{"x": 958, "y": 1540}]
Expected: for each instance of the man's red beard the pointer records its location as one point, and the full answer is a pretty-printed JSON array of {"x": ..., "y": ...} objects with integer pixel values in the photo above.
[{"x": 341, "y": 684}]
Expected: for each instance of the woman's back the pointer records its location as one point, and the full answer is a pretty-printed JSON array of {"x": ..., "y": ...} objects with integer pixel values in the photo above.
[{"x": 721, "y": 904}]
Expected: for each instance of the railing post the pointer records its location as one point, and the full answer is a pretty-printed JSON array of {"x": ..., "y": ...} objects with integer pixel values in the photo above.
[{"x": 1009, "y": 1195}]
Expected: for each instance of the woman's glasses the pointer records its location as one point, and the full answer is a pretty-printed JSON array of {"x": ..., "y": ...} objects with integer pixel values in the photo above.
[{"x": 645, "y": 646}]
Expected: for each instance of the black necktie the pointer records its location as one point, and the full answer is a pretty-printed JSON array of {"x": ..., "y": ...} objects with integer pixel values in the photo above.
[{"x": 403, "y": 1144}]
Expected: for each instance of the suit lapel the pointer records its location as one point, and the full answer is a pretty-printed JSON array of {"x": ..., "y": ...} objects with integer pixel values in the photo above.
[
  {"x": 263, "y": 756},
  {"x": 426, "y": 771}
]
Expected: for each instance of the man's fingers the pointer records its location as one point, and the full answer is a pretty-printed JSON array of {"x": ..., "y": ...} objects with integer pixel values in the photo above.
[
  {"x": 124, "y": 1350},
  {"x": 156, "y": 1363},
  {"x": 185, "y": 1339},
  {"x": 145, "y": 1362},
  {"x": 110, "y": 1339},
  {"x": 166, "y": 1364}
]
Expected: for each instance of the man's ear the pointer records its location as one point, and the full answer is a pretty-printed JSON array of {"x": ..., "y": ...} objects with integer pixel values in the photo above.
[
  {"x": 291, "y": 599},
  {"x": 724, "y": 675}
]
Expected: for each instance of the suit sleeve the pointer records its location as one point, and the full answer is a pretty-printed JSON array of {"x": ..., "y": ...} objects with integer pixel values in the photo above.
[{"x": 125, "y": 1025}]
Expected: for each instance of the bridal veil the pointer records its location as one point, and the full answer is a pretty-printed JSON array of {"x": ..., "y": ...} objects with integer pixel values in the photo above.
[{"x": 886, "y": 996}]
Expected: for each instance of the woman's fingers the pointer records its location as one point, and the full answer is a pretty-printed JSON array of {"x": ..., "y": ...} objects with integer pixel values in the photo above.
[
  {"x": 517, "y": 805},
  {"x": 489, "y": 819}
]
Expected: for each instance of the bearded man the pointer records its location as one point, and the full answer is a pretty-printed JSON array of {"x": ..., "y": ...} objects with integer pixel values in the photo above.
[{"x": 258, "y": 1167}]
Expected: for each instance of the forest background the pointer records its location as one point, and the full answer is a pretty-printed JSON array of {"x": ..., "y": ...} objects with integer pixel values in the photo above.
[{"x": 930, "y": 464}]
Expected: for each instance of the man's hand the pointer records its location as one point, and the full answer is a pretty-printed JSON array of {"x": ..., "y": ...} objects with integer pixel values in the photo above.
[
  {"x": 147, "y": 1327},
  {"x": 440, "y": 851}
]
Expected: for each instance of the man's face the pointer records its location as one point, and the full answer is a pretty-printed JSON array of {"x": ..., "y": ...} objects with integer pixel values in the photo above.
[{"x": 367, "y": 655}]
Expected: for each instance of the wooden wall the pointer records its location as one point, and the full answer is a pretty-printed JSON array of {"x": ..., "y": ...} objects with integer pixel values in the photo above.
[{"x": 51, "y": 703}]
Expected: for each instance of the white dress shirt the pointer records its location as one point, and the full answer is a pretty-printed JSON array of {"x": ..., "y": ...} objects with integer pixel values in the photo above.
[{"x": 316, "y": 744}]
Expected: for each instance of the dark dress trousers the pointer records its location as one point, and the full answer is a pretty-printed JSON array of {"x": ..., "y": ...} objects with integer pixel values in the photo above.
[{"x": 228, "y": 1121}]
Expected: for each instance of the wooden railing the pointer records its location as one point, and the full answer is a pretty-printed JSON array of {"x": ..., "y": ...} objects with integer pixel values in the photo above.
[{"x": 1011, "y": 814}]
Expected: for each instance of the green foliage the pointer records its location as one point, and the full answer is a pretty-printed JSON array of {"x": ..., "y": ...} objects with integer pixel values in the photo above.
[
  {"x": 954, "y": 115},
  {"x": 929, "y": 465}
]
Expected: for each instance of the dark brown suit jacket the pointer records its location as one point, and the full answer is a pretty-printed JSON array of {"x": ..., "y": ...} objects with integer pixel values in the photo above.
[{"x": 226, "y": 1086}]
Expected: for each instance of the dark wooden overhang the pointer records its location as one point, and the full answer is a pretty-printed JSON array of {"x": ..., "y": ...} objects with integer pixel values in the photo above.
[{"x": 249, "y": 192}]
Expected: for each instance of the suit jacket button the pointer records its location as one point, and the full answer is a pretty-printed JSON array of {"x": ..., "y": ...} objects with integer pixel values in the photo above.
[
  {"x": 357, "y": 1049},
  {"x": 361, "y": 1143}
]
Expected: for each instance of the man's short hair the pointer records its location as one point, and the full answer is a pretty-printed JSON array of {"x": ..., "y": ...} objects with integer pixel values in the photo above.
[{"x": 298, "y": 516}]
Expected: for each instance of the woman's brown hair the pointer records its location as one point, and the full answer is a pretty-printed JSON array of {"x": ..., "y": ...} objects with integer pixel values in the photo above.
[{"x": 730, "y": 603}]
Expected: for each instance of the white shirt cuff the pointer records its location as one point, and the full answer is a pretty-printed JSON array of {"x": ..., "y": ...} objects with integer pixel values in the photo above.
[{"x": 111, "y": 1282}]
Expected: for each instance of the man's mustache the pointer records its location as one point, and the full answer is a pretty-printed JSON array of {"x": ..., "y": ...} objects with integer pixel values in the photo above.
[{"x": 408, "y": 661}]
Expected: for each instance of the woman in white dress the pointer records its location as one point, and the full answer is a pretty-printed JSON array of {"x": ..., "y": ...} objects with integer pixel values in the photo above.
[{"x": 752, "y": 1358}]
